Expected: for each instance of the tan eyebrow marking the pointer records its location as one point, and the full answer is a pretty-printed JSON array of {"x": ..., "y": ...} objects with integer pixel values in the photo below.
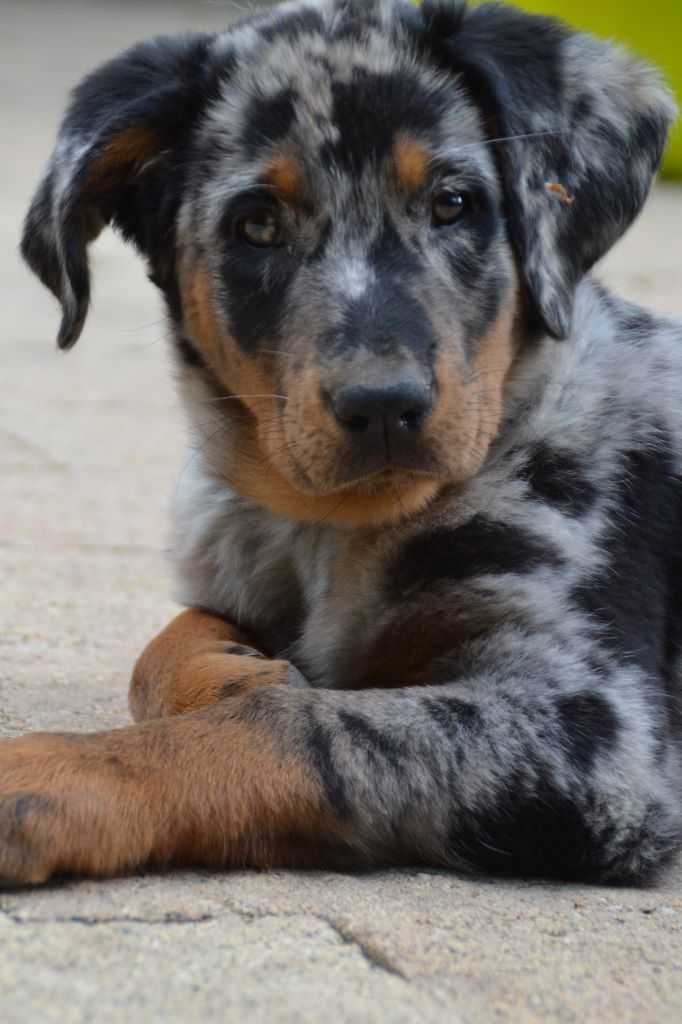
[
  {"x": 286, "y": 178},
  {"x": 412, "y": 162}
]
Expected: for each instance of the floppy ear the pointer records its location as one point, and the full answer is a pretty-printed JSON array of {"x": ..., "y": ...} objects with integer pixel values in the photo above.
[
  {"x": 114, "y": 154},
  {"x": 571, "y": 112}
]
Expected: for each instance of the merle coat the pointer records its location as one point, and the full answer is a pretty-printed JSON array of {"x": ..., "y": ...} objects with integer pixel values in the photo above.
[{"x": 430, "y": 530}]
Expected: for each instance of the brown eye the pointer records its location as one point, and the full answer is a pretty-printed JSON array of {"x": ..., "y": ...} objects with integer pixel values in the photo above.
[
  {"x": 262, "y": 229},
  {"x": 447, "y": 207}
]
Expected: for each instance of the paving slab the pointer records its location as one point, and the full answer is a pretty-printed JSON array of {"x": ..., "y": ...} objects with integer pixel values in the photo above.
[{"x": 90, "y": 446}]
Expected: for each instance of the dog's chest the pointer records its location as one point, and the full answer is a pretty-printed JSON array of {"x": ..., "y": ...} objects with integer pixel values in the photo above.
[
  {"x": 306, "y": 592},
  {"x": 326, "y": 599},
  {"x": 321, "y": 603},
  {"x": 341, "y": 576}
]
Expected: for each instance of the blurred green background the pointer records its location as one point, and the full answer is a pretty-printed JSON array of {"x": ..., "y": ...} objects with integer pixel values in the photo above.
[{"x": 652, "y": 29}]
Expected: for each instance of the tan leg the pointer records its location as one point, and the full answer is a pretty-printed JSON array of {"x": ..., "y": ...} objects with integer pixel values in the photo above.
[
  {"x": 197, "y": 660},
  {"x": 191, "y": 784},
  {"x": 215, "y": 788}
]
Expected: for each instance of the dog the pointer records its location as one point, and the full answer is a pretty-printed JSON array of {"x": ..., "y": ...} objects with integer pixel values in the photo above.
[{"x": 429, "y": 538}]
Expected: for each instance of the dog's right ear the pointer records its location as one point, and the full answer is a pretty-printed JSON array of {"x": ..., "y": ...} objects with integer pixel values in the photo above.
[{"x": 118, "y": 141}]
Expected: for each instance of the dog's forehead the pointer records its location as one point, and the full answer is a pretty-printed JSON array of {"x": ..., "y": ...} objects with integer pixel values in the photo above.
[{"x": 338, "y": 99}]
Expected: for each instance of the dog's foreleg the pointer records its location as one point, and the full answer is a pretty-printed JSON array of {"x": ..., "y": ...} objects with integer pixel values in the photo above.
[
  {"x": 502, "y": 779},
  {"x": 213, "y": 788},
  {"x": 197, "y": 660}
]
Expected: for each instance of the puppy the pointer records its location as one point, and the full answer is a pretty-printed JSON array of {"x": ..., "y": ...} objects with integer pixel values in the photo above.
[{"x": 430, "y": 537}]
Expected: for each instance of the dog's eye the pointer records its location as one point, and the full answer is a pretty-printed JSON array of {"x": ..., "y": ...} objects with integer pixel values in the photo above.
[
  {"x": 447, "y": 207},
  {"x": 262, "y": 229}
]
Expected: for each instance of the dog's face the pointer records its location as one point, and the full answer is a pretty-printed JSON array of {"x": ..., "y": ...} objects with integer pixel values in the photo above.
[
  {"x": 344, "y": 268},
  {"x": 345, "y": 206}
]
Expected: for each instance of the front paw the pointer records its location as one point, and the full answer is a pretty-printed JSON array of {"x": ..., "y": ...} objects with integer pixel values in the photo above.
[
  {"x": 61, "y": 811},
  {"x": 27, "y": 825},
  {"x": 30, "y": 810}
]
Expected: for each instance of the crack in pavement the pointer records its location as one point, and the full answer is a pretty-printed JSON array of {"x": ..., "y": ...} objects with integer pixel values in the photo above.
[
  {"x": 113, "y": 919},
  {"x": 373, "y": 954}
]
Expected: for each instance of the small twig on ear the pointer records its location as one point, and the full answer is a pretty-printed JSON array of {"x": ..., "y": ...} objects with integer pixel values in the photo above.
[{"x": 558, "y": 190}]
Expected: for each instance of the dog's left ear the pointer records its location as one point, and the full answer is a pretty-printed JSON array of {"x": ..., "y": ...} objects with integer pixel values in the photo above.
[
  {"x": 581, "y": 126},
  {"x": 115, "y": 160}
]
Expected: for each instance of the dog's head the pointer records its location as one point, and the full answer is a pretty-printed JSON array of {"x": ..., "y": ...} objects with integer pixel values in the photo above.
[{"x": 346, "y": 205}]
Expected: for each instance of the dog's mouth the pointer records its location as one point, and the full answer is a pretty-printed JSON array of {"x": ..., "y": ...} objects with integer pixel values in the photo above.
[
  {"x": 382, "y": 479},
  {"x": 327, "y": 466},
  {"x": 301, "y": 485},
  {"x": 304, "y": 466}
]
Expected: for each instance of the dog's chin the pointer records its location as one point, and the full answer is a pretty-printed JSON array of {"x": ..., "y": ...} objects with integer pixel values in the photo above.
[{"x": 379, "y": 499}]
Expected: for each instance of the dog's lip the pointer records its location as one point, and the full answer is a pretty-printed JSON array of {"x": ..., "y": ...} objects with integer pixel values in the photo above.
[
  {"x": 379, "y": 479},
  {"x": 385, "y": 479}
]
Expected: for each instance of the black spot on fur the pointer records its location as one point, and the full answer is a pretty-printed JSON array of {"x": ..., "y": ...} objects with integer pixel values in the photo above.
[
  {"x": 648, "y": 135},
  {"x": 385, "y": 320},
  {"x": 521, "y": 835},
  {"x": 442, "y": 19},
  {"x": 292, "y": 25},
  {"x": 590, "y": 726},
  {"x": 544, "y": 833},
  {"x": 123, "y": 768},
  {"x": 375, "y": 744},
  {"x": 480, "y": 546},
  {"x": 372, "y": 108},
  {"x": 391, "y": 258},
  {"x": 268, "y": 119},
  {"x": 257, "y": 286},
  {"x": 453, "y": 715},
  {"x": 234, "y": 687},
  {"x": 26, "y": 826},
  {"x": 189, "y": 355},
  {"x": 321, "y": 755},
  {"x": 557, "y": 478},
  {"x": 633, "y": 320},
  {"x": 247, "y": 652},
  {"x": 582, "y": 108},
  {"x": 18, "y": 809},
  {"x": 637, "y": 598}
]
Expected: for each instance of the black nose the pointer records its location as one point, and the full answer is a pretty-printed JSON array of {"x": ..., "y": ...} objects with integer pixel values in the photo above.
[{"x": 394, "y": 410}]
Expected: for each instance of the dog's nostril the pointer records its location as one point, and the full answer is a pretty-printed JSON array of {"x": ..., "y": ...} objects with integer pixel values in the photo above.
[
  {"x": 411, "y": 419},
  {"x": 356, "y": 424}
]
